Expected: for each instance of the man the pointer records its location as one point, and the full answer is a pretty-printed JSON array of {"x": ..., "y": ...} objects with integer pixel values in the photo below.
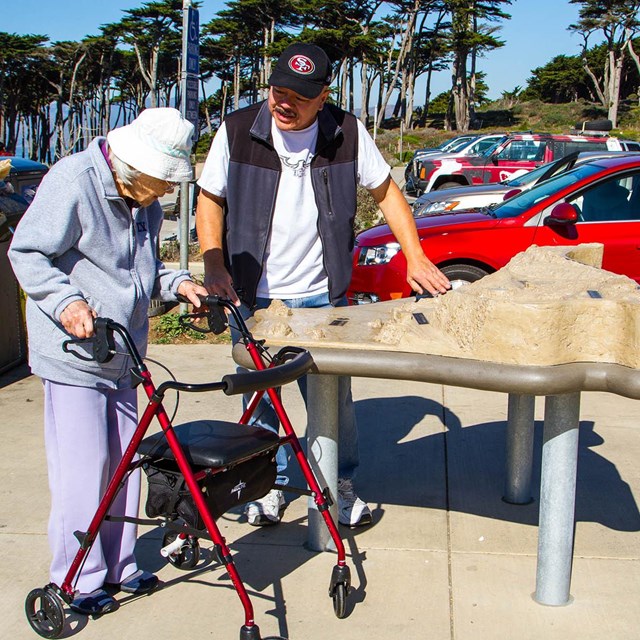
[{"x": 275, "y": 221}]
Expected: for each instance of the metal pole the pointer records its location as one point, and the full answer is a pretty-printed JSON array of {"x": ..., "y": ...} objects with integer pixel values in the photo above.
[
  {"x": 520, "y": 425},
  {"x": 557, "y": 499},
  {"x": 184, "y": 186},
  {"x": 322, "y": 449}
]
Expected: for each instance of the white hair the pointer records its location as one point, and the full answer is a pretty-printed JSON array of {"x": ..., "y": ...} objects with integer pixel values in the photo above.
[{"x": 125, "y": 172}]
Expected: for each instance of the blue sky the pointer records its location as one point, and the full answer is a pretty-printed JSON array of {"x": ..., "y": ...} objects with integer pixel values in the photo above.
[{"x": 536, "y": 33}]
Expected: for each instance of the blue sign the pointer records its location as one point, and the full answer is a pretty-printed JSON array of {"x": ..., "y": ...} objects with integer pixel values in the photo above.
[
  {"x": 191, "y": 110},
  {"x": 191, "y": 61},
  {"x": 193, "y": 42}
]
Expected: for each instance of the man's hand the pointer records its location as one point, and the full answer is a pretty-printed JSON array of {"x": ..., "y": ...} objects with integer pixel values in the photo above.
[
  {"x": 77, "y": 319},
  {"x": 191, "y": 290},
  {"x": 423, "y": 274},
  {"x": 218, "y": 282}
]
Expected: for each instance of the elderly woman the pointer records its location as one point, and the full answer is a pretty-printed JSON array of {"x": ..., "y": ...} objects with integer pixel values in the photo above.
[{"x": 86, "y": 247}]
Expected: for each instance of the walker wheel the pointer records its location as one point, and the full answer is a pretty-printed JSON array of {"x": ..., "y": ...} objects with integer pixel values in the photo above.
[
  {"x": 188, "y": 556},
  {"x": 45, "y": 613},
  {"x": 340, "y": 600}
]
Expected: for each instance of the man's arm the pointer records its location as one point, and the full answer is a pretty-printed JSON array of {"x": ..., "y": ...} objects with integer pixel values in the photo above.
[
  {"x": 421, "y": 272},
  {"x": 210, "y": 229}
]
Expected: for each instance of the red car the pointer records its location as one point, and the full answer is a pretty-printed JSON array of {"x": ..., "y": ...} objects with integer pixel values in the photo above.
[{"x": 596, "y": 202}]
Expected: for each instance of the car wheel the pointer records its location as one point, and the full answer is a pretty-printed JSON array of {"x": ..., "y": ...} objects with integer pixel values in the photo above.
[
  {"x": 460, "y": 274},
  {"x": 448, "y": 185}
]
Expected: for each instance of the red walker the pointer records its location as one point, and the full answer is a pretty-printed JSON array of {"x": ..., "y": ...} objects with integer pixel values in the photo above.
[{"x": 200, "y": 469}]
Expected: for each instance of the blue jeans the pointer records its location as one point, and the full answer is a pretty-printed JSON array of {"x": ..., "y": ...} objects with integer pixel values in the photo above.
[{"x": 265, "y": 415}]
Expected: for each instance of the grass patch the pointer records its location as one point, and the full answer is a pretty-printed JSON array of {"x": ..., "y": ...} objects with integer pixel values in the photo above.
[{"x": 167, "y": 329}]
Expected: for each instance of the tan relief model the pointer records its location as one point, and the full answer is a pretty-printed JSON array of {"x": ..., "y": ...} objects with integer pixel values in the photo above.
[{"x": 549, "y": 305}]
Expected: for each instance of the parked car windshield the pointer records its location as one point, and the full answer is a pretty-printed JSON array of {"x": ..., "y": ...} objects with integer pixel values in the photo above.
[
  {"x": 456, "y": 143},
  {"x": 460, "y": 145},
  {"x": 489, "y": 151},
  {"x": 522, "y": 202},
  {"x": 527, "y": 178}
]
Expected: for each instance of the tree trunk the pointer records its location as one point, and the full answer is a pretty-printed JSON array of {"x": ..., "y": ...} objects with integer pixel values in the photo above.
[
  {"x": 460, "y": 92},
  {"x": 405, "y": 43},
  {"x": 614, "y": 83},
  {"x": 236, "y": 84},
  {"x": 427, "y": 91},
  {"x": 365, "y": 90},
  {"x": 409, "y": 82},
  {"x": 344, "y": 76}
]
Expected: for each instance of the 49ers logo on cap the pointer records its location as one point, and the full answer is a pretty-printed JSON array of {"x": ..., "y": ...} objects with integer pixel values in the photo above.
[{"x": 302, "y": 64}]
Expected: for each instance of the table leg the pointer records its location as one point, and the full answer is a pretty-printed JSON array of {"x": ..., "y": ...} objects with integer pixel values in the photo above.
[
  {"x": 519, "y": 463},
  {"x": 557, "y": 499},
  {"x": 322, "y": 450}
]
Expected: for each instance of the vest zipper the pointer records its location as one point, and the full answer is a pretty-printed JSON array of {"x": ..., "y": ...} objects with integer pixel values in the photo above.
[{"x": 325, "y": 178}]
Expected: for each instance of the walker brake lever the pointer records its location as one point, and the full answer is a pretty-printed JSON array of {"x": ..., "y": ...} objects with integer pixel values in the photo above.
[
  {"x": 216, "y": 316},
  {"x": 184, "y": 321}
]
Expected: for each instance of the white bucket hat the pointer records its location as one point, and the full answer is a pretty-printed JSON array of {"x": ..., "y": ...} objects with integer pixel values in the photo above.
[{"x": 157, "y": 143}]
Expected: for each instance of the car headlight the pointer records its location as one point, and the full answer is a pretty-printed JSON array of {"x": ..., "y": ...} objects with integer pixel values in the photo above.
[
  {"x": 378, "y": 255},
  {"x": 443, "y": 205}
]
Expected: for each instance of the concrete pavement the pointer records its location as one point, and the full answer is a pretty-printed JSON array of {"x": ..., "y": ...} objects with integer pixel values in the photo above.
[{"x": 446, "y": 558}]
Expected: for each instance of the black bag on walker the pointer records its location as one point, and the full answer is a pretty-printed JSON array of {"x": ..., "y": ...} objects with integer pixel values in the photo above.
[
  {"x": 168, "y": 494},
  {"x": 239, "y": 461}
]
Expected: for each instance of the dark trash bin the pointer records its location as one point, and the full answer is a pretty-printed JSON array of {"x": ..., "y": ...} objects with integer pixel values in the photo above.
[{"x": 13, "y": 338}]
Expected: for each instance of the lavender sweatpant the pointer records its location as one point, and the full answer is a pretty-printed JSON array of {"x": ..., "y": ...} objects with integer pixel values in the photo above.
[{"x": 86, "y": 433}]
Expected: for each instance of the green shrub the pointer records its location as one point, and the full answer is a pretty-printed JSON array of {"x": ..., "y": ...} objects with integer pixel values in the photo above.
[
  {"x": 202, "y": 146},
  {"x": 407, "y": 154},
  {"x": 169, "y": 328},
  {"x": 412, "y": 139},
  {"x": 367, "y": 212},
  {"x": 170, "y": 251}
]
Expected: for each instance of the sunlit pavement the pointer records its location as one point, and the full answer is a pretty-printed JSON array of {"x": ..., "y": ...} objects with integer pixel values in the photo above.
[{"x": 445, "y": 559}]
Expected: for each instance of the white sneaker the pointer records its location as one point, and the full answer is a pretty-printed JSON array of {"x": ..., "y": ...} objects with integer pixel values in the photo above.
[
  {"x": 352, "y": 511},
  {"x": 266, "y": 510}
]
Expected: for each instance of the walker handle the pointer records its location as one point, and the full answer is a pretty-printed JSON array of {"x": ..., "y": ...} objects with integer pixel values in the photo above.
[
  {"x": 248, "y": 381},
  {"x": 103, "y": 346}
]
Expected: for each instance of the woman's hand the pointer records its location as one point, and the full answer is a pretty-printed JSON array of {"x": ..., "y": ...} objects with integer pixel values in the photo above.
[
  {"x": 77, "y": 319},
  {"x": 190, "y": 290}
]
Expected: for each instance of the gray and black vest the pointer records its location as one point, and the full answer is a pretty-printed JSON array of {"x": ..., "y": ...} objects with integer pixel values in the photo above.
[{"x": 254, "y": 175}]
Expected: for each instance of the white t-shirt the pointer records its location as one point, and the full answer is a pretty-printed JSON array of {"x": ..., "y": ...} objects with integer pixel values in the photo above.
[{"x": 293, "y": 265}]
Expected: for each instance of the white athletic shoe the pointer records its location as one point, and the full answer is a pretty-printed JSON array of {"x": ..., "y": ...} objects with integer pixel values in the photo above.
[
  {"x": 266, "y": 510},
  {"x": 352, "y": 511}
]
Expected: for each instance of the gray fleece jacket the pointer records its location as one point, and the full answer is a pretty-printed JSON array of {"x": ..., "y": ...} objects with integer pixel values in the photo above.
[{"x": 79, "y": 240}]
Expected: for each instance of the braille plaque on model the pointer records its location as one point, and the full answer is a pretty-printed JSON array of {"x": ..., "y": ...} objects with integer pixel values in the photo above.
[
  {"x": 420, "y": 318},
  {"x": 339, "y": 322}
]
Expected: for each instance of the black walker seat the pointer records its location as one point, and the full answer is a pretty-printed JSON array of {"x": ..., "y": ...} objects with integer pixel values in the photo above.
[{"x": 212, "y": 443}]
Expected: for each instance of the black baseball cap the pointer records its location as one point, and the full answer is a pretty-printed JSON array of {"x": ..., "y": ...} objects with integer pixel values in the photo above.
[{"x": 303, "y": 68}]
